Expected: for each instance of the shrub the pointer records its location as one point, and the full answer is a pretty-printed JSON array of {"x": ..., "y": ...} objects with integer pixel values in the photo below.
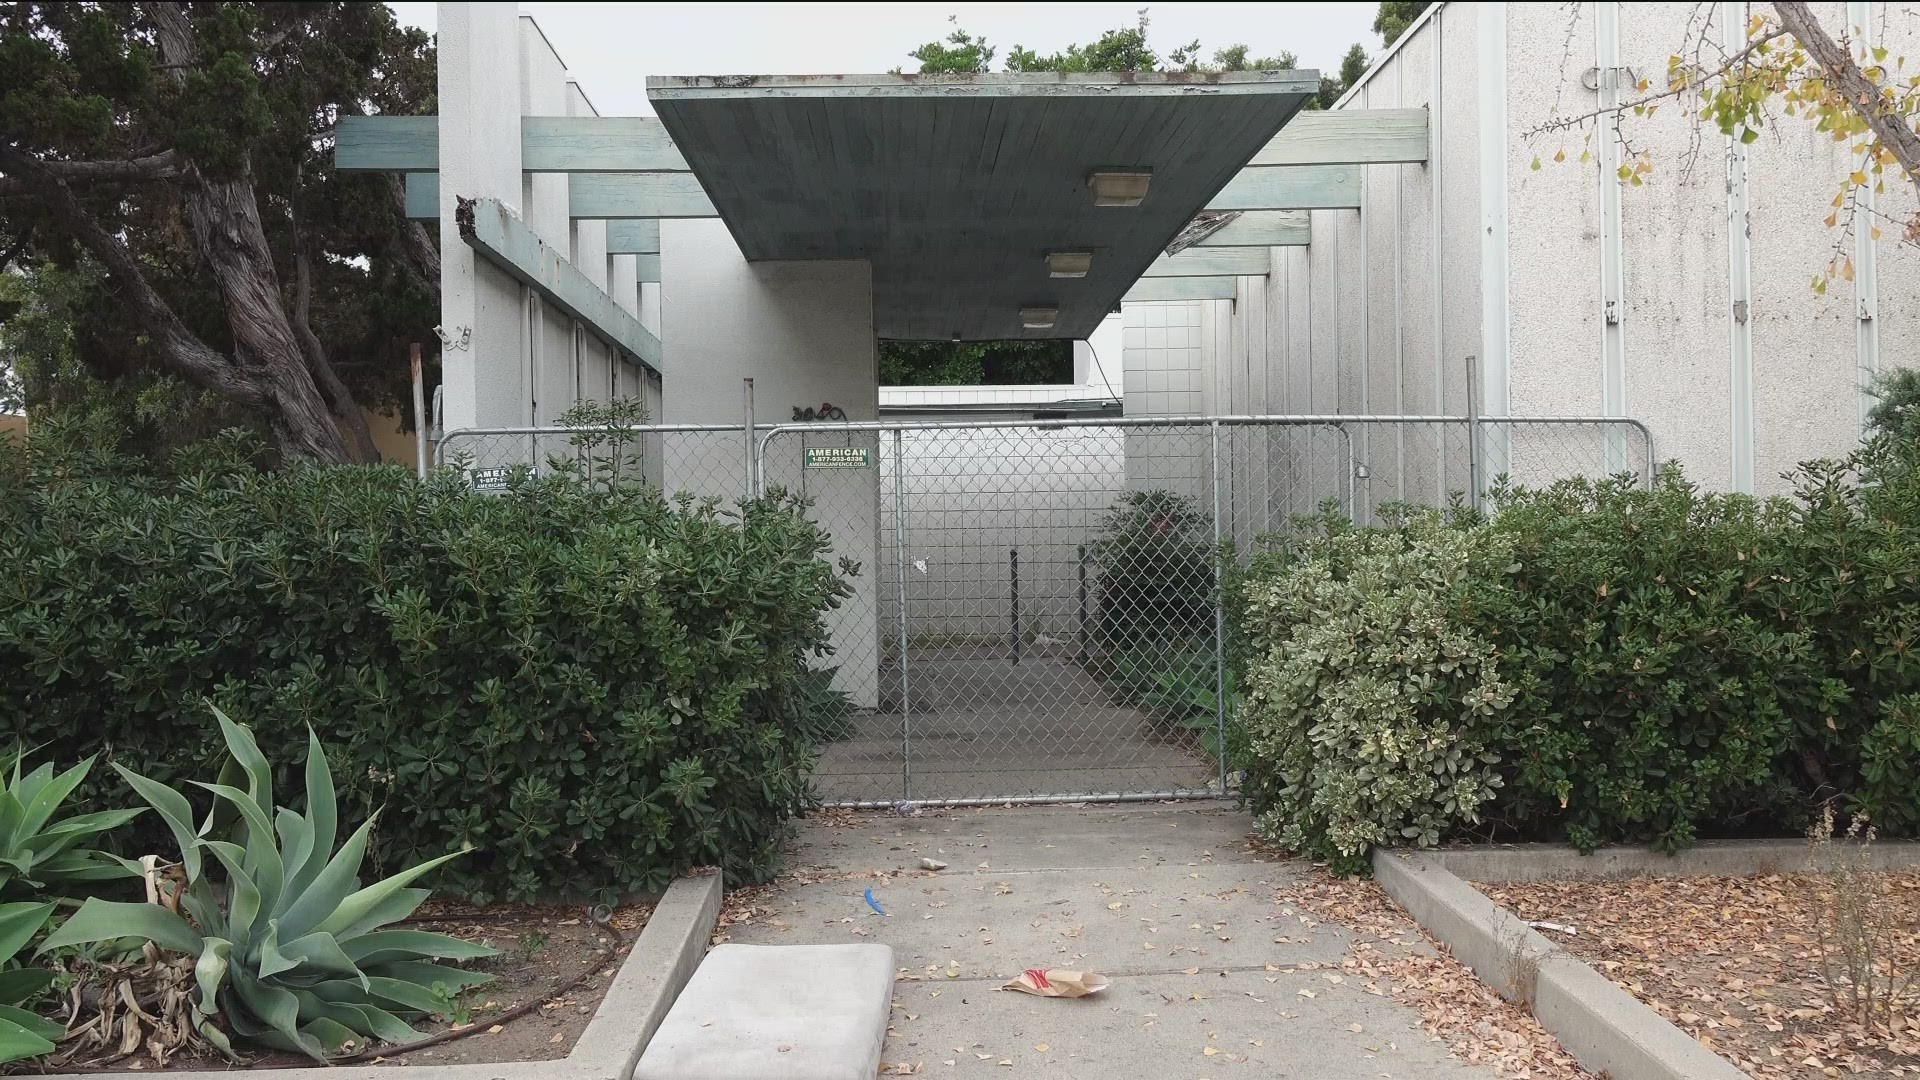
[
  {"x": 288, "y": 947},
  {"x": 1670, "y": 662},
  {"x": 593, "y": 688},
  {"x": 1369, "y": 704},
  {"x": 1156, "y": 570}
]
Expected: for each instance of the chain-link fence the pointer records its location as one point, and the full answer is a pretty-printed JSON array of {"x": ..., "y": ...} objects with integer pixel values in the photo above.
[
  {"x": 703, "y": 459},
  {"x": 1035, "y": 614}
]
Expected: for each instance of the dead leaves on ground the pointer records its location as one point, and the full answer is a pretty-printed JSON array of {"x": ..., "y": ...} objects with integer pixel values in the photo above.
[
  {"x": 1391, "y": 956},
  {"x": 1735, "y": 963}
]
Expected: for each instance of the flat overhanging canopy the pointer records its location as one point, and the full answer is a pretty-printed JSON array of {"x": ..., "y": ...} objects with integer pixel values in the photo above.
[{"x": 956, "y": 188}]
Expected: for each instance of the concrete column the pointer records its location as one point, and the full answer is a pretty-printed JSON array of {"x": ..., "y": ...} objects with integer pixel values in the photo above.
[
  {"x": 804, "y": 332},
  {"x": 480, "y": 307},
  {"x": 555, "y": 359}
]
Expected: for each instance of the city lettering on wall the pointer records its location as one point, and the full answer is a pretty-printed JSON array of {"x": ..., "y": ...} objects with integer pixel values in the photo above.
[{"x": 839, "y": 457}]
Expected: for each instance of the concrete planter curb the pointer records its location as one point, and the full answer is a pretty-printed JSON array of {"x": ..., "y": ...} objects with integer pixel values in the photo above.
[
  {"x": 656, "y": 968},
  {"x": 1710, "y": 858},
  {"x": 1603, "y": 1026}
]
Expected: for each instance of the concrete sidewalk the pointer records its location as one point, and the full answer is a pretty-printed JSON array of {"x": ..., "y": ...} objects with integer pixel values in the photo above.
[{"x": 1166, "y": 901}]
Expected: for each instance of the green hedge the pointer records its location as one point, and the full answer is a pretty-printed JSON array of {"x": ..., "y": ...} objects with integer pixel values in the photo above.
[
  {"x": 1593, "y": 662},
  {"x": 595, "y": 689}
]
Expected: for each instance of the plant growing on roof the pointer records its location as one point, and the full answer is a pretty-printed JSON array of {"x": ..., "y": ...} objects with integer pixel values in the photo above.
[{"x": 289, "y": 948}]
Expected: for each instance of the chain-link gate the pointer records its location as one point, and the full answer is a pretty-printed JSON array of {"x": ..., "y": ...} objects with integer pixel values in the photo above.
[
  {"x": 703, "y": 459},
  {"x": 1035, "y": 611},
  {"x": 1037, "y": 616}
]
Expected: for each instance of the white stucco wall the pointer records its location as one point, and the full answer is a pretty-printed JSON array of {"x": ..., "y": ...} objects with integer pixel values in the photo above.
[
  {"x": 1381, "y": 311},
  {"x": 804, "y": 332}
]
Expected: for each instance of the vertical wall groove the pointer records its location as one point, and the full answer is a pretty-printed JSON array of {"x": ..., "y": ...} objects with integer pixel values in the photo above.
[
  {"x": 1866, "y": 272},
  {"x": 1739, "y": 280},
  {"x": 1436, "y": 171},
  {"x": 1613, "y": 289}
]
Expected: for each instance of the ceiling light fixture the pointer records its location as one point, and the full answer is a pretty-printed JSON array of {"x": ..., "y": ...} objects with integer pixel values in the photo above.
[
  {"x": 1119, "y": 187},
  {"x": 1069, "y": 264},
  {"x": 1038, "y": 318}
]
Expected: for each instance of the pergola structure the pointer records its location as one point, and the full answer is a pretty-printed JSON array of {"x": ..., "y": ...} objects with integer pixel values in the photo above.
[{"x": 984, "y": 205}]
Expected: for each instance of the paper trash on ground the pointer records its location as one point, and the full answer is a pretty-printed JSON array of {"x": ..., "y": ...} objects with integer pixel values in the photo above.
[{"x": 1058, "y": 983}]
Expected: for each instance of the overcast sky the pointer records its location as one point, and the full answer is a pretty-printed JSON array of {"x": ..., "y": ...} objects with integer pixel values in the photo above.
[{"x": 612, "y": 48}]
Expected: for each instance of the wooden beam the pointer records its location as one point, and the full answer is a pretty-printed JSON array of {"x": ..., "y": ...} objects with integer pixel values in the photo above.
[
  {"x": 1262, "y": 228},
  {"x": 595, "y": 196},
  {"x": 1349, "y": 137},
  {"x": 1184, "y": 288},
  {"x": 649, "y": 267},
  {"x": 633, "y": 236},
  {"x": 1292, "y": 187},
  {"x": 641, "y": 144},
  {"x": 547, "y": 144},
  {"x": 637, "y": 195},
  {"x": 1226, "y": 261},
  {"x": 387, "y": 144},
  {"x": 598, "y": 144},
  {"x": 505, "y": 241}
]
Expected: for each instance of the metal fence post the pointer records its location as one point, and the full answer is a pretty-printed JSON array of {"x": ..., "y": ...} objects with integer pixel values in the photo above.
[
  {"x": 1013, "y": 597},
  {"x": 1474, "y": 464},
  {"x": 1219, "y": 613},
  {"x": 1081, "y": 654},
  {"x": 753, "y": 479},
  {"x": 900, "y": 571}
]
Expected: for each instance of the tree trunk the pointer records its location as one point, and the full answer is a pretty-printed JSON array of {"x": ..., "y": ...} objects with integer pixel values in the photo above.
[
  {"x": 339, "y": 399},
  {"x": 1884, "y": 117},
  {"x": 227, "y": 234}
]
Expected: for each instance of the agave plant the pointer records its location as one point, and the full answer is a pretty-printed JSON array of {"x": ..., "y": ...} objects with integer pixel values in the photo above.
[
  {"x": 289, "y": 948},
  {"x": 39, "y": 854},
  {"x": 22, "y": 1034}
]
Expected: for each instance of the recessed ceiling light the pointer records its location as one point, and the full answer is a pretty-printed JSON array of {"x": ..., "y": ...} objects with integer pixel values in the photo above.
[
  {"x": 1069, "y": 264},
  {"x": 1038, "y": 318},
  {"x": 1119, "y": 188}
]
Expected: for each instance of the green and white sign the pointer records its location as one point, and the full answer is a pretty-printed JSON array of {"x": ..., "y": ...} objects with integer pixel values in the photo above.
[{"x": 839, "y": 457}]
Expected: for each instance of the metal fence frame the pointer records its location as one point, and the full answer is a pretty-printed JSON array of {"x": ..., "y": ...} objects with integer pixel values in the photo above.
[
  {"x": 755, "y": 441},
  {"x": 1478, "y": 427}
]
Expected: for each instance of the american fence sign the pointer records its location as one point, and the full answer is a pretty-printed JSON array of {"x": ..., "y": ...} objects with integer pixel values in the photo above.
[{"x": 839, "y": 457}]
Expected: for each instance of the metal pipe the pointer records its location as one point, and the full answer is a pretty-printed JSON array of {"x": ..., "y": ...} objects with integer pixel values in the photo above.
[
  {"x": 1219, "y": 617},
  {"x": 1474, "y": 464},
  {"x": 1013, "y": 570},
  {"x": 753, "y": 485},
  {"x": 1175, "y": 795},
  {"x": 900, "y": 572},
  {"x": 1082, "y": 655},
  {"x": 419, "y": 411}
]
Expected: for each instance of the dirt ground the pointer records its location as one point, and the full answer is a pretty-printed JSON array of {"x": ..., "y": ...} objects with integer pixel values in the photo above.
[
  {"x": 1736, "y": 962},
  {"x": 542, "y": 948}
]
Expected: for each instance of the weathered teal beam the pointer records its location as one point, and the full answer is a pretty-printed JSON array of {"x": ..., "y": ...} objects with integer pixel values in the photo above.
[
  {"x": 1349, "y": 137},
  {"x": 649, "y": 267},
  {"x": 1184, "y": 288},
  {"x": 641, "y": 144},
  {"x": 1294, "y": 187},
  {"x": 633, "y": 236},
  {"x": 1261, "y": 229},
  {"x": 595, "y": 196},
  {"x": 1225, "y": 261},
  {"x": 505, "y": 241},
  {"x": 547, "y": 144}
]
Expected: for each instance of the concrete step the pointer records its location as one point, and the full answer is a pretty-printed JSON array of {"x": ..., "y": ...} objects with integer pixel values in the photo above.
[{"x": 777, "y": 1012}]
